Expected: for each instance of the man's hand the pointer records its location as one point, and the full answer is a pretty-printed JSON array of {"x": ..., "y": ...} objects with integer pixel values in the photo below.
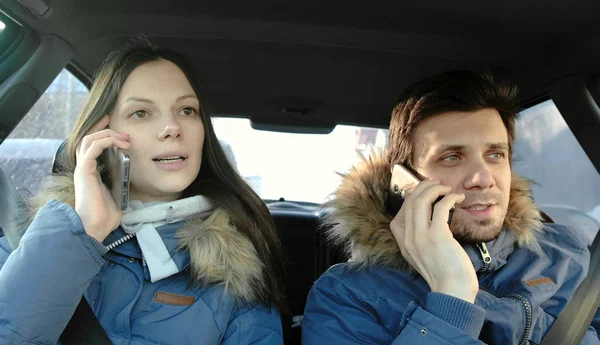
[{"x": 428, "y": 245}]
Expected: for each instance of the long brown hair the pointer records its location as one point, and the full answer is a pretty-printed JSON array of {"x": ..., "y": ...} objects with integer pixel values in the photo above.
[{"x": 217, "y": 179}]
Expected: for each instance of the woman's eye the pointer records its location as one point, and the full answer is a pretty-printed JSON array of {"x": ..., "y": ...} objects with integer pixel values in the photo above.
[
  {"x": 188, "y": 111},
  {"x": 139, "y": 114}
]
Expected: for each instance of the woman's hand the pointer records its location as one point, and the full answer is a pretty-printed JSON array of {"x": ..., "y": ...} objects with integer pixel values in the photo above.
[
  {"x": 93, "y": 201},
  {"x": 428, "y": 245}
]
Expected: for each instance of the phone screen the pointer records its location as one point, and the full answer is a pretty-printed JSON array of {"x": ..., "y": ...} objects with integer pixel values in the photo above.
[
  {"x": 402, "y": 177},
  {"x": 116, "y": 164}
]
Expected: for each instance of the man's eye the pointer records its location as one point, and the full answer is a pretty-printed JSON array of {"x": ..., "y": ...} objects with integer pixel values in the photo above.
[
  {"x": 496, "y": 155},
  {"x": 188, "y": 111},
  {"x": 451, "y": 158},
  {"x": 139, "y": 114}
]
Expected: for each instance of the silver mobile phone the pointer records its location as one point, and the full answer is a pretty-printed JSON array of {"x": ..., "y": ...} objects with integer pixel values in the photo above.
[
  {"x": 117, "y": 163},
  {"x": 403, "y": 176}
]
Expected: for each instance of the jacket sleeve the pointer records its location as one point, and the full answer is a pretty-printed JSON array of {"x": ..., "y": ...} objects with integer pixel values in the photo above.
[
  {"x": 592, "y": 337},
  {"x": 334, "y": 314},
  {"x": 42, "y": 281},
  {"x": 595, "y": 327},
  {"x": 254, "y": 325}
]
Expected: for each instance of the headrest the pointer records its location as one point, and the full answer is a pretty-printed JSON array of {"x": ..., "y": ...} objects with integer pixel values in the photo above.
[{"x": 59, "y": 163}]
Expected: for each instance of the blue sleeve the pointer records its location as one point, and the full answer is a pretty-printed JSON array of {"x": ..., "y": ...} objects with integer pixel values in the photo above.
[
  {"x": 42, "y": 281},
  {"x": 596, "y": 323},
  {"x": 254, "y": 325},
  {"x": 336, "y": 315},
  {"x": 592, "y": 337}
]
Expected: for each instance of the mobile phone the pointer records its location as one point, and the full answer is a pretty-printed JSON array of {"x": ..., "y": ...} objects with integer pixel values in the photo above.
[
  {"x": 403, "y": 176},
  {"x": 116, "y": 163}
]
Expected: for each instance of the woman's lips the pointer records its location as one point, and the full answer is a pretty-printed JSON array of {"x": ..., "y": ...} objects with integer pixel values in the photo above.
[{"x": 173, "y": 164}]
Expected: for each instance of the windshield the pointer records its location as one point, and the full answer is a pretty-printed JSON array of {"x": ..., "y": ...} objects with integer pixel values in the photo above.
[{"x": 296, "y": 167}]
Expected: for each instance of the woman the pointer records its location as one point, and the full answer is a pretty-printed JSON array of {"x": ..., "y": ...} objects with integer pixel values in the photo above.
[{"x": 194, "y": 259}]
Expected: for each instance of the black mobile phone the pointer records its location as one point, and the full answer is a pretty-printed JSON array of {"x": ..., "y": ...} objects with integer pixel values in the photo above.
[
  {"x": 116, "y": 163},
  {"x": 403, "y": 176}
]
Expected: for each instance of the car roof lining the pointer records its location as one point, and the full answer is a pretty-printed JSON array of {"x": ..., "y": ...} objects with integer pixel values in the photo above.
[{"x": 352, "y": 58}]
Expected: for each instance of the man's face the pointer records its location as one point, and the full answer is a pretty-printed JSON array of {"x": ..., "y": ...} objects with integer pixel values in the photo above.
[{"x": 469, "y": 152}]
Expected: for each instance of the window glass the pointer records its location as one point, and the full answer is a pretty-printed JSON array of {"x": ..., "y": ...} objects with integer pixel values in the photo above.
[
  {"x": 296, "y": 167},
  {"x": 566, "y": 182},
  {"x": 26, "y": 155}
]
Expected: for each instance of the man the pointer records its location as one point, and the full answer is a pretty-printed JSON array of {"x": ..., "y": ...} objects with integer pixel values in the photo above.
[{"x": 495, "y": 275}]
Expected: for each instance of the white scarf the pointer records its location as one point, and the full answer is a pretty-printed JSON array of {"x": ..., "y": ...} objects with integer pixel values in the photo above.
[{"x": 142, "y": 219}]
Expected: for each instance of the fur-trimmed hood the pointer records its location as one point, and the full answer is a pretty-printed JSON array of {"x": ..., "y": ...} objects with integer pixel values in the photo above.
[
  {"x": 357, "y": 217},
  {"x": 219, "y": 254}
]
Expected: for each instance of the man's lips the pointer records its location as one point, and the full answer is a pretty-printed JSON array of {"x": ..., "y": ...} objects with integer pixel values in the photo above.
[
  {"x": 478, "y": 206},
  {"x": 479, "y": 210}
]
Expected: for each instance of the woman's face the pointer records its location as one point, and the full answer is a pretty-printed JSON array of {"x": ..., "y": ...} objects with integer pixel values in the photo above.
[{"x": 159, "y": 110}]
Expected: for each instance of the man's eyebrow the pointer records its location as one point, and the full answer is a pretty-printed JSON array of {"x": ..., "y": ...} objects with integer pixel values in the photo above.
[
  {"x": 492, "y": 146},
  {"x": 498, "y": 146},
  {"x": 445, "y": 148}
]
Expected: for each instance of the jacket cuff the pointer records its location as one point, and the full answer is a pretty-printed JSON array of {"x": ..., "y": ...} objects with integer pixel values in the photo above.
[
  {"x": 98, "y": 246},
  {"x": 461, "y": 314},
  {"x": 54, "y": 216}
]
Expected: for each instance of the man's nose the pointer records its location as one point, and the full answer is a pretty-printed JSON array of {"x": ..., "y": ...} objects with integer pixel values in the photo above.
[{"x": 479, "y": 176}]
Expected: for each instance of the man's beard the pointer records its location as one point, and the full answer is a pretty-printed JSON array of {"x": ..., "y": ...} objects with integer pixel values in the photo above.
[
  {"x": 475, "y": 231},
  {"x": 467, "y": 230}
]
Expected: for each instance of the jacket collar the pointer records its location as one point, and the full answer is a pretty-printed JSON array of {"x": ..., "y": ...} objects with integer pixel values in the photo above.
[
  {"x": 216, "y": 252},
  {"x": 498, "y": 249},
  {"x": 168, "y": 234},
  {"x": 356, "y": 218}
]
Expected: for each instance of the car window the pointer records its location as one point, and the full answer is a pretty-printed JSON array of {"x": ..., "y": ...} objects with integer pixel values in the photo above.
[
  {"x": 26, "y": 155},
  {"x": 566, "y": 182},
  {"x": 296, "y": 167}
]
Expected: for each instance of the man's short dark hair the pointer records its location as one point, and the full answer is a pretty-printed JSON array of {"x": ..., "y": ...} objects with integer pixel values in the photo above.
[{"x": 448, "y": 92}]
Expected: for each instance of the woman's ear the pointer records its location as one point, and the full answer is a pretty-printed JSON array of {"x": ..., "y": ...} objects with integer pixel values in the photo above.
[{"x": 107, "y": 122}]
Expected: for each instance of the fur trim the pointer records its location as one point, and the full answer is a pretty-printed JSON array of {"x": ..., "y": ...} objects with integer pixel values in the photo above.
[
  {"x": 219, "y": 254},
  {"x": 357, "y": 216}
]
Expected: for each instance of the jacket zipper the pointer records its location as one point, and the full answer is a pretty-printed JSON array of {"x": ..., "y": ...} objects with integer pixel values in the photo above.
[
  {"x": 120, "y": 241},
  {"x": 528, "y": 312},
  {"x": 527, "y": 306},
  {"x": 485, "y": 255}
]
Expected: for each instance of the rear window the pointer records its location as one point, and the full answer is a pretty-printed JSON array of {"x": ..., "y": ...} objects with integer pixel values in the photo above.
[{"x": 296, "y": 167}]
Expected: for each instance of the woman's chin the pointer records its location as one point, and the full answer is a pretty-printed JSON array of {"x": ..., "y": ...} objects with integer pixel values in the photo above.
[{"x": 165, "y": 193}]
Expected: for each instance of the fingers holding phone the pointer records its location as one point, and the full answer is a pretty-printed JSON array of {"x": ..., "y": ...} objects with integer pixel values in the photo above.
[
  {"x": 421, "y": 229},
  {"x": 94, "y": 203}
]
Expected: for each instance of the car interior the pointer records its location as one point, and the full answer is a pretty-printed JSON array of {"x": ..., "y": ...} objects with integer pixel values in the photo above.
[{"x": 305, "y": 67}]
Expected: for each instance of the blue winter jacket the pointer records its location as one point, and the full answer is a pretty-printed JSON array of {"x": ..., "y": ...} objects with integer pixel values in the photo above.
[
  {"x": 375, "y": 299},
  {"x": 42, "y": 281}
]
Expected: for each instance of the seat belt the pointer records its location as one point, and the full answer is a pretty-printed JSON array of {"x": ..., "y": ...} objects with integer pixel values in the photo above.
[
  {"x": 575, "y": 319},
  {"x": 83, "y": 328}
]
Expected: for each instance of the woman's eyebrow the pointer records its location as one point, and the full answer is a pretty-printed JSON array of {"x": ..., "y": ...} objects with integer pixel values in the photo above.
[
  {"x": 138, "y": 99},
  {"x": 181, "y": 98}
]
